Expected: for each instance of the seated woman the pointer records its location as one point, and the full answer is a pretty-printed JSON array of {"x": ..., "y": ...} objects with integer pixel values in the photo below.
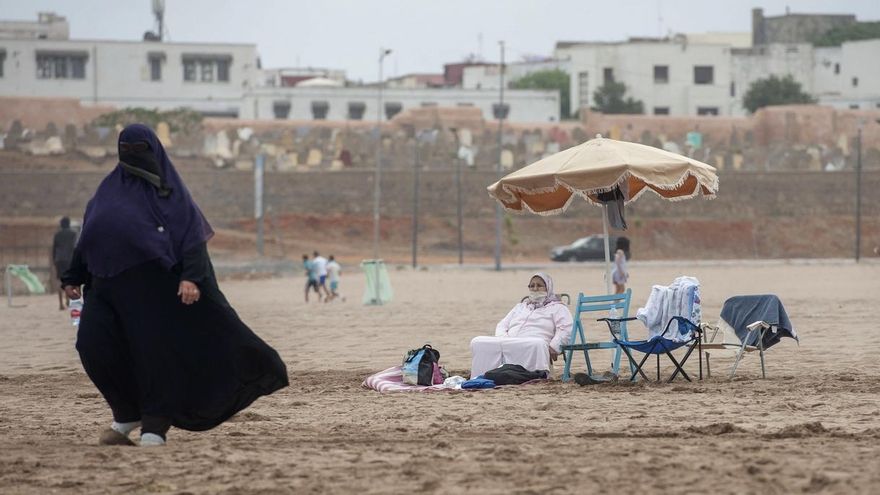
[{"x": 530, "y": 335}]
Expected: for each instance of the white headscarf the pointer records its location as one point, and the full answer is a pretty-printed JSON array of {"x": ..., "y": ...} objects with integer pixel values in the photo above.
[{"x": 551, "y": 295}]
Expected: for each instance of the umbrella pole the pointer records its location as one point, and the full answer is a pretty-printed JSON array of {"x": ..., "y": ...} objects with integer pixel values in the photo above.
[{"x": 607, "y": 249}]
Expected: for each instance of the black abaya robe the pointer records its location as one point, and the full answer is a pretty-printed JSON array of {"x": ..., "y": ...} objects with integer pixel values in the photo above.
[{"x": 151, "y": 355}]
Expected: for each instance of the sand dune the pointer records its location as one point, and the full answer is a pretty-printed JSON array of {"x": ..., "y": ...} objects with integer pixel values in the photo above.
[{"x": 812, "y": 426}]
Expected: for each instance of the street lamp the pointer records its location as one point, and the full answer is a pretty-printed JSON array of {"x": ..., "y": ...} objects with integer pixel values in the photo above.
[{"x": 377, "y": 191}]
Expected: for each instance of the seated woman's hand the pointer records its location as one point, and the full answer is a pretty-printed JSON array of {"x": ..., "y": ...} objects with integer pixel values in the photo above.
[{"x": 553, "y": 355}]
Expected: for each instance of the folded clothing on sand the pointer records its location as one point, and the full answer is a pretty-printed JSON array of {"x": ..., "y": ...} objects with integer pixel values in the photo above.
[{"x": 513, "y": 374}]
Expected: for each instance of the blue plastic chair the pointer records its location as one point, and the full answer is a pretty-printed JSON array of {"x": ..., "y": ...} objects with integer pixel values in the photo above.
[
  {"x": 659, "y": 344},
  {"x": 586, "y": 304}
]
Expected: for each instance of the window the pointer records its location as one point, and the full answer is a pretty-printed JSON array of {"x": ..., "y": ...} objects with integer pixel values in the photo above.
[
  {"x": 837, "y": 68},
  {"x": 189, "y": 70},
  {"x": 661, "y": 74},
  {"x": 661, "y": 110},
  {"x": 854, "y": 106},
  {"x": 429, "y": 104},
  {"x": 607, "y": 75},
  {"x": 584, "y": 88},
  {"x": 732, "y": 89},
  {"x": 356, "y": 110},
  {"x": 464, "y": 104},
  {"x": 500, "y": 111},
  {"x": 392, "y": 108},
  {"x": 61, "y": 65},
  {"x": 704, "y": 74},
  {"x": 155, "y": 60},
  {"x": 320, "y": 109},
  {"x": 281, "y": 109},
  {"x": 2, "y": 60},
  {"x": 707, "y": 110},
  {"x": 206, "y": 68},
  {"x": 855, "y": 81}
]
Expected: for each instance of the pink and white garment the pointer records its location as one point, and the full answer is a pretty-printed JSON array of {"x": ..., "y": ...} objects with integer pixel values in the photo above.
[{"x": 524, "y": 336}]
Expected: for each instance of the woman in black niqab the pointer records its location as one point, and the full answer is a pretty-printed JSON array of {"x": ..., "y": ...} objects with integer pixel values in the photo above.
[{"x": 157, "y": 337}]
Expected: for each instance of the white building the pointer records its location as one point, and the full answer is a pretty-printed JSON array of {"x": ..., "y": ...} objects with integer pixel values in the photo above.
[
  {"x": 848, "y": 76},
  {"x": 361, "y": 103},
  {"x": 48, "y": 26},
  {"x": 487, "y": 76},
  {"x": 678, "y": 76},
  {"x": 670, "y": 76},
  {"x": 210, "y": 78}
]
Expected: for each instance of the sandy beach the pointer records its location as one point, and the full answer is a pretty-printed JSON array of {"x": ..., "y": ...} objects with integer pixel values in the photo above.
[{"x": 812, "y": 426}]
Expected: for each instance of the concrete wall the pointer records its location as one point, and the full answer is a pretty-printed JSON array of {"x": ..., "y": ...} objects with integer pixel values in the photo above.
[{"x": 118, "y": 73}]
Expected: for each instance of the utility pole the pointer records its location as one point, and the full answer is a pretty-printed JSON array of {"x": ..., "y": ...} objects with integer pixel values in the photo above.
[
  {"x": 460, "y": 219},
  {"x": 377, "y": 179},
  {"x": 859, "y": 194},
  {"x": 415, "y": 227},
  {"x": 259, "y": 166},
  {"x": 498, "y": 165}
]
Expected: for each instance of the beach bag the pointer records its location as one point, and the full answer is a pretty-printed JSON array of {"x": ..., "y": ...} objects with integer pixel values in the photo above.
[{"x": 421, "y": 365}]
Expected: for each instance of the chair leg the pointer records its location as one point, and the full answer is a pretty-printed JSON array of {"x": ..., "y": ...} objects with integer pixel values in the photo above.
[
  {"x": 566, "y": 371},
  {"x": 739, "y": 355},
  {"x": 679, "y": 367},
  {"x": 658, "y": 367},
  {"x": 708, "y": 367},
  {"x": 761, "y": 352},
  {"x": 639, "y": 368}
]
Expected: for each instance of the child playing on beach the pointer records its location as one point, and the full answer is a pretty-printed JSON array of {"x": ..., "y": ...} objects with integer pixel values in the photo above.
[{"x": 333, "y": 273}]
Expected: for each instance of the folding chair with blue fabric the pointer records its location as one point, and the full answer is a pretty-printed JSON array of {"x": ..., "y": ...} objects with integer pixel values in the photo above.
[
  {"x": 615, "y": 303},
  {"x": 684, "y": 334},
  {"x": 751, "y": 323}
]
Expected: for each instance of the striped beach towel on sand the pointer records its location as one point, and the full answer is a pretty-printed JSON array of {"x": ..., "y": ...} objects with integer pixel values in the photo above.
[{"x": 391, "y": 380}]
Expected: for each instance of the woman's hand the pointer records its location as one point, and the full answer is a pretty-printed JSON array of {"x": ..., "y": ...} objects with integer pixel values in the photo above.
[
  {"x": 72, "y": 291},
  {"x": 553, "y": 355},
  {"x": 188, "y": 292}
]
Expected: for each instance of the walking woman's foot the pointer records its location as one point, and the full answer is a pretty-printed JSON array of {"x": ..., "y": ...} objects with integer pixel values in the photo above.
[
  {"x": 151, "y": 440},
  {"x": 113, "y": 437},
  {"x": 118, "y": 433}
]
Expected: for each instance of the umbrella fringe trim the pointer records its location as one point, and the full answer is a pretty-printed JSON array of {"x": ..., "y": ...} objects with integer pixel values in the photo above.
[{"x": 510, "y": 189}]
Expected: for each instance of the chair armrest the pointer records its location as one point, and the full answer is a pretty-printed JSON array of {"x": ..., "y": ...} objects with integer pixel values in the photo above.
[
  {"x": 696, "y": 329},
  {"x": 614, "y": 325}
]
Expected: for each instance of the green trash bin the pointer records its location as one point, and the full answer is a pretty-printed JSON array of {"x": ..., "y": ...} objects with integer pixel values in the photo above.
[{"x": 372, "y": 268}]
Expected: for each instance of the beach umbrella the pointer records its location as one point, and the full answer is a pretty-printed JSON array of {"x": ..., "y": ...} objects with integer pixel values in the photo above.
[{"x": 600, "y": 170}]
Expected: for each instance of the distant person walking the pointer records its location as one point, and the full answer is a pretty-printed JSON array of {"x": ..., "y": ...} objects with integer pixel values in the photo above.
[
  {"x": 321, "y": 269},
  {"x": 62, "y": 253},
  {"x": 334, "y": 270},
  {"x": 620, "y": 274},
  {"x": 311, "y": 277},
  {"x": 157, "y": 337}
]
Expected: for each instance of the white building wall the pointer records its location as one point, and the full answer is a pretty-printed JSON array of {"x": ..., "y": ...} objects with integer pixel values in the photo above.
[
  {"x": 118, "y": 73},
  {"x": 487, "y": 77},
  {"x": 633, "y": 64},
  {"x": 763, "y": 61},
  {"x": 525, "y": 105}
]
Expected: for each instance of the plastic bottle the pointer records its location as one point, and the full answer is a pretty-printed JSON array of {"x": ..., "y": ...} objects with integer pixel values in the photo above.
[{"x": 75, "y": 311}]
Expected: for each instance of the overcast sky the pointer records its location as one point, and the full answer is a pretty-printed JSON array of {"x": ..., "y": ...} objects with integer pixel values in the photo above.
[{"x": 347, "y": 34}]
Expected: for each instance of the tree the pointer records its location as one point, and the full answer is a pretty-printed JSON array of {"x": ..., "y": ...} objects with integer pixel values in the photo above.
[
  {"x": 548, "y": 79},
  {"x": 850, "y": 32},
  {"x": 774, "y": 91},
  {"x": 609, "y": 100}
]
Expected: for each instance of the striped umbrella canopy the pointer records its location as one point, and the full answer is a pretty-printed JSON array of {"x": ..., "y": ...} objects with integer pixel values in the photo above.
[{"x": 601, "y": 165}]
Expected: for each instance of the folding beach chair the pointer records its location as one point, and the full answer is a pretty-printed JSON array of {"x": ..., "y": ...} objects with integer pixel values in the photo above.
[
  {"x": 679, "y": 332},
  {"x": 747, "y": 324},
  {"x": 618, "y": 303}
]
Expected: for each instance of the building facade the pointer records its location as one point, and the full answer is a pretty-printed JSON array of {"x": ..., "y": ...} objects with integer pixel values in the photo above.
[
  {"x": 209, "y": 78},
  {"x": 670, "y": 76},
  {"x": 361, "y": 103}
]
